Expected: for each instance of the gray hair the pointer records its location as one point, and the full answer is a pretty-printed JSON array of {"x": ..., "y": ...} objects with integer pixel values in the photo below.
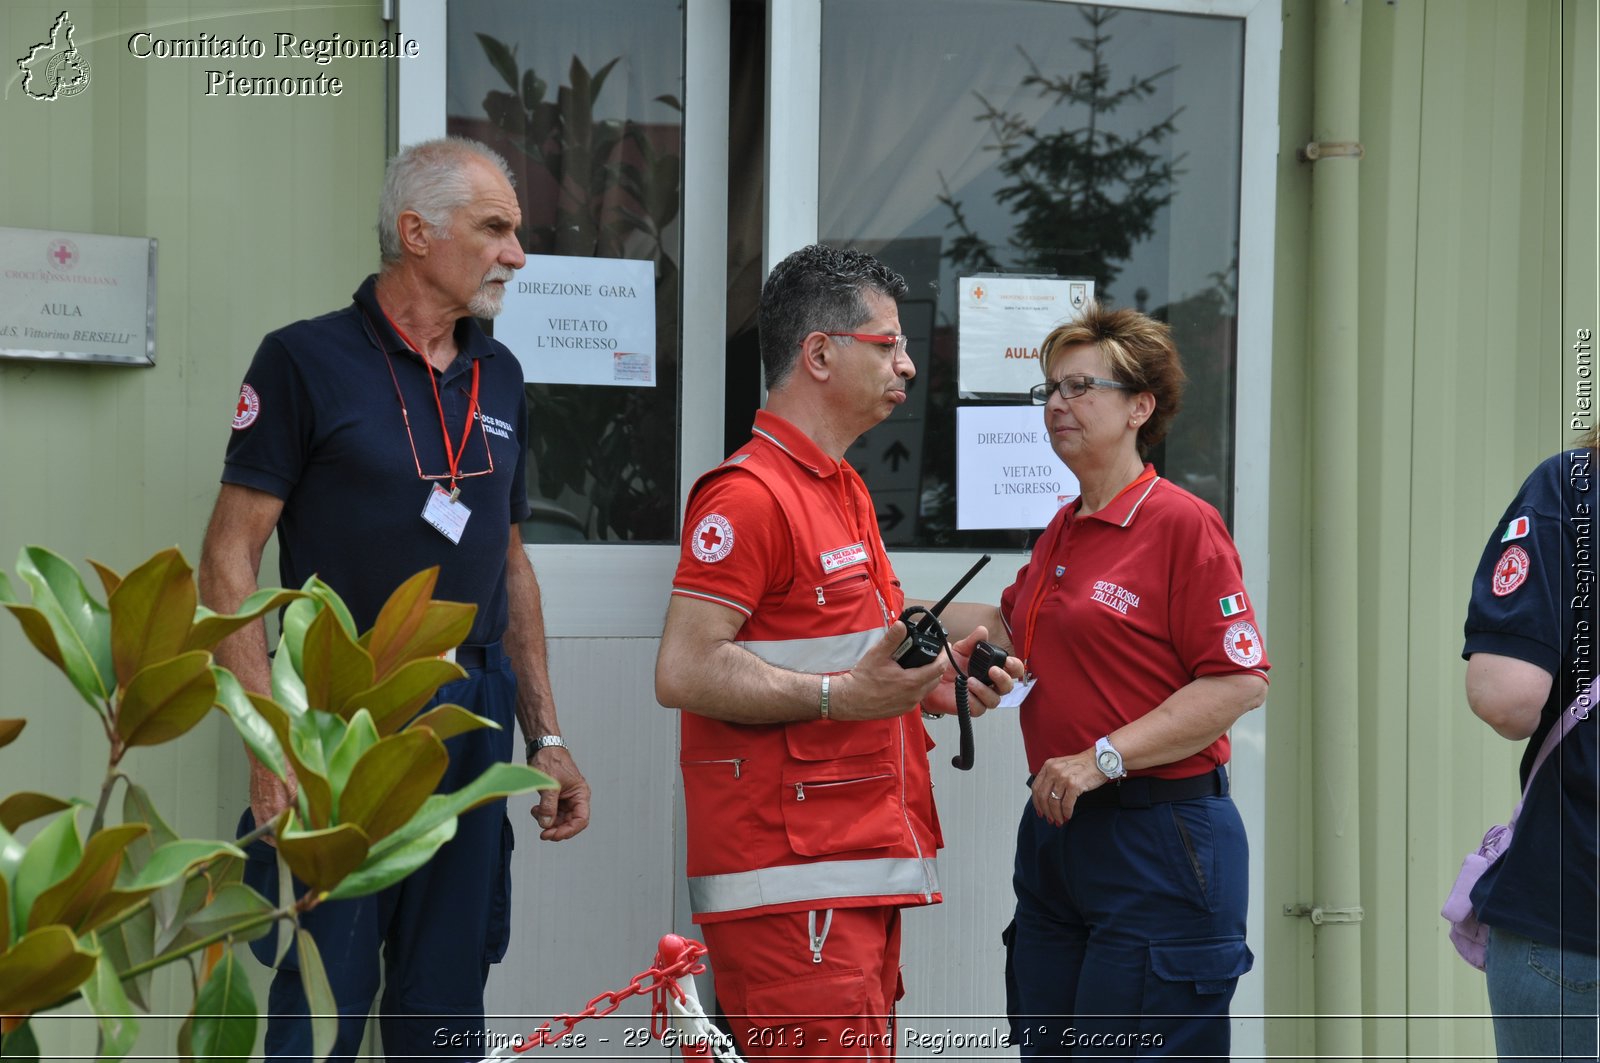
[
  {"x": 429, "y": 178},
  {"x": 817, "y": 289}
]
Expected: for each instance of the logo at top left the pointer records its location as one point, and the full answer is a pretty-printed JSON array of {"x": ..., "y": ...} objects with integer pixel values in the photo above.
[{"x": 55, "y": 68}]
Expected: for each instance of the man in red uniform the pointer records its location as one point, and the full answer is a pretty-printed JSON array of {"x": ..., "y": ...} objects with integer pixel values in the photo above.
[{"x": 805, "y": 768}]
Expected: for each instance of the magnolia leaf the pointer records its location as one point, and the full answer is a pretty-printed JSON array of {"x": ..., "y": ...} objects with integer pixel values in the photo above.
[
  {"x": 380, "y": 872},
  {"x": 151, "y": 613},
  {"x": 108, "y": 577},
  {"x": 447, "y": 721},
  {"x": 321, "y": 858},
  {"x": 333, "y": 666},
  {"x": 211, "y": 628},
  {"x": 82, "y": 626},
  {"x": 175, "y": 859},
  {"x": 166, "y": 699},
  {"x": 118, "y": 1029},
  {"x": 8, "y": 594},
  {"x": 258, "y": 734},
  {"x": 399, "y": 620},
  {"x": 402, "y": 695},
  {"x": 70, "y": 900},
  {"x": 128, "y": 944},
  {"x": 499, "y": 780},
  {"x": 411, "y": 626},
  {"x": 224, "y": 1014},
  {"x": 138, "y": 808},
  {"x": 18, "y": 1043},
  {"x": 392, "y": 780},
  {"x": 24, "y": 807},
  {"x": 181, "y": 900},
  {"x": 320, "y": 1003},
  {"x": 41, "y": 968},
  {"x": 329, "y": 598},
  {"x": 311, "y": 738},
  {"x": 359, "y": 737},
  {"x": 234, "y": 905},
  {"x": 36, "y": 626},
  {"x": 112, "y": 904},
  {"x": 5, "y": 915},
  {"x": 49, "y": 858},
  {"x": 288, "y": 689},
  {"x": 10, "y": 729}
]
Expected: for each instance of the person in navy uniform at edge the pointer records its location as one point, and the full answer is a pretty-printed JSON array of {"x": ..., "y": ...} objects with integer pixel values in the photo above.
[
  {"x": 1530, "y": 650},
  {"x": 321, "y": 450},
  {"x": 805, "y": 764},
  {"x": 1143, "y": 648}
]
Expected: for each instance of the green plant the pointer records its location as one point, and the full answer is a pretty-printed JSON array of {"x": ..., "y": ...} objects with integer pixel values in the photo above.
[{"x": 93, "y": 914}]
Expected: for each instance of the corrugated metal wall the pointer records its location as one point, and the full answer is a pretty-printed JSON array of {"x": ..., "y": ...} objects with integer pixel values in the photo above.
[{"x": 1475, "y": 148}]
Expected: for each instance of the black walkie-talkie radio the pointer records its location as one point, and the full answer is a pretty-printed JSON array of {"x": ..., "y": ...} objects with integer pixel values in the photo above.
[{"x": 926, "y": 636}]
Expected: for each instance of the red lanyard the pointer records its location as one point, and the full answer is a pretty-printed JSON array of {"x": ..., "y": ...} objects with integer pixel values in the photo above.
[{"x": 451, "y": 454}]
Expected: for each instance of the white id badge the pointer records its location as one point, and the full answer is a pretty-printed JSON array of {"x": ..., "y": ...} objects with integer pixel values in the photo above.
[
  {"x": 1019, "y": 693},
  {"x": 447, "y": 515}
]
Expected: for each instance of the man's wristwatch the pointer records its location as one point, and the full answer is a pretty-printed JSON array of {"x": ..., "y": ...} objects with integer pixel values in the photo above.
[
  {"x": 544, "y": 742},
  {"x": 1107, "y": 759}
]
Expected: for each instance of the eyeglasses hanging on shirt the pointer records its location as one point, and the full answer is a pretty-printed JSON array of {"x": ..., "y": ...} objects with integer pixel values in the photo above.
[{"x": 444, "y": 510}]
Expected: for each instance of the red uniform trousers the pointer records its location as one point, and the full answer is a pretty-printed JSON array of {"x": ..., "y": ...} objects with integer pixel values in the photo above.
[{"x": 781, "y": 1002}]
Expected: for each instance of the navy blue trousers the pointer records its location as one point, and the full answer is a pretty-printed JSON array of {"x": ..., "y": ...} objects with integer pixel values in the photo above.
[
  {"x": 438, "y": 929},
  {"x": 1129, "y": 932}
]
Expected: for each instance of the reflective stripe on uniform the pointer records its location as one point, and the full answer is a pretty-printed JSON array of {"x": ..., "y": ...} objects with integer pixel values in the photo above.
[
  {"x": 831, "y": 653},
  {"x": 821, "y": 880}
]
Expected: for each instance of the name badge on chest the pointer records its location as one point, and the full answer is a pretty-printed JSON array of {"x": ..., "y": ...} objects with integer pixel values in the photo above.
[{"x": 446, "y": 513}]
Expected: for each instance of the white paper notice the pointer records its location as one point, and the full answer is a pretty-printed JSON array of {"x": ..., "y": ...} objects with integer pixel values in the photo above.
[
  {"x": 1003, "y": 322},
  {"x": 1007, "y": 475},
  {"x": 576, "y": 320}
]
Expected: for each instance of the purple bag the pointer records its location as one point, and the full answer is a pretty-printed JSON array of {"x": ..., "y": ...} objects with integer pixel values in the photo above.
[{"x": 1470, "y": 937}]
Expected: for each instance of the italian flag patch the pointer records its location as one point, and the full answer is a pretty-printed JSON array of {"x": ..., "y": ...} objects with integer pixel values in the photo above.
[
  {"x": 1233, "y": 604},
  {"x": 1517, "y": 529}
]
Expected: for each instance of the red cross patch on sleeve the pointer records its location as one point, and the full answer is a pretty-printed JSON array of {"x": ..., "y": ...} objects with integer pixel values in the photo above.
[
  {"x": 1511, "y": 571},
  {"x": 712, "y": 539},
  {"x": 246, "y": 409}
]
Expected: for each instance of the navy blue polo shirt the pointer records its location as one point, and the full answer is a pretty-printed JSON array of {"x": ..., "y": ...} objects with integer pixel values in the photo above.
[
  {"x": 319, "y": 425},
  {"x": 1534, "y": 599}
]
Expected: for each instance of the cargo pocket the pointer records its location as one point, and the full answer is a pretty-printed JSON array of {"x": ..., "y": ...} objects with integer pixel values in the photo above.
[
  {"x": 1008, "y": 938},
  {"x": 825, "y": 813},
  {"x": 792, "y": 1017},
  {"x": 1198, "y": 969},
  {"x": 497, "y": 936}
]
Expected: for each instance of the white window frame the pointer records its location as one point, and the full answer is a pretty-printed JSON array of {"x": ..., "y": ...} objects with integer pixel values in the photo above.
[
  {"x": 794, "y": 145},
  {"x": 620, "y": 589}
]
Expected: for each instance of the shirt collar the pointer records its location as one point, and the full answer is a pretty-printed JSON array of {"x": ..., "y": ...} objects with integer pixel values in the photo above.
[
  {"x": 470, "y": 339},
  {"x": 795, "y": 443},
  {"x": 1122, "y": 509}
]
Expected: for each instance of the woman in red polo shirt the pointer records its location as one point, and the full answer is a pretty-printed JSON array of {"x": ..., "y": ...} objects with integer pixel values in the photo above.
[{"x": 1133, "y": 619}]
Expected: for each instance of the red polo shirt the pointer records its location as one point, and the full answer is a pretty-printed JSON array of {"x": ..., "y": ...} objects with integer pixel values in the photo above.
[{"x": 1117, "y": 610}]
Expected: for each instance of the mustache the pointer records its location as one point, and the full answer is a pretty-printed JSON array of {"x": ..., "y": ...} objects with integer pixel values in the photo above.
[{"x": 498, "y": 273}]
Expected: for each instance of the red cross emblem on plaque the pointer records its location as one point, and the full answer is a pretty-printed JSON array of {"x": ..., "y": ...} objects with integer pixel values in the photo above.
[{"x": 63, "y": 253}]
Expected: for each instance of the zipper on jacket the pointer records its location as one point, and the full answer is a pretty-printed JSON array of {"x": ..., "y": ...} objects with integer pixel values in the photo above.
[
  {"x": 735, "y": 761},
  {"x": 905, "y": 812},
  {"x": 800, "y": 787},
  {"x": 846, "y": 580},
  {"x": 816, "y": 938}
]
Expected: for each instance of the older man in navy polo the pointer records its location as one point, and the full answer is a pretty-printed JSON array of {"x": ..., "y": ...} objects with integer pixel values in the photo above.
[{"x": 379, "y": 440}]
